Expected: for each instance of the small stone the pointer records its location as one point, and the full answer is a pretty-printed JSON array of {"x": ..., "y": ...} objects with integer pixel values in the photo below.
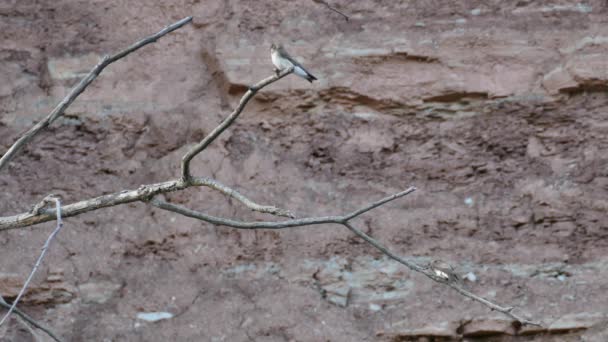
[
  {"x": 374, "y": 307},
  {"x": 470, "y": 277},
  {"x": 437, "y": 331},
  {"x": 154, "y": 316},
  {"x": 54, "y": 278}
]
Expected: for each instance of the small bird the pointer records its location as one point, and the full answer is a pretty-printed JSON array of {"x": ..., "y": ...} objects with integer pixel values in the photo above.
[
  {"x": 444, "y": 271},
  {"x": 282, "y": 60}
]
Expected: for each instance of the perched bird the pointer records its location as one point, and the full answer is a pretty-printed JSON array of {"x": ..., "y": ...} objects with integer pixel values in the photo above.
[
  {"x": 282, "y": 60},
  {"x": 444, "y": 271}
]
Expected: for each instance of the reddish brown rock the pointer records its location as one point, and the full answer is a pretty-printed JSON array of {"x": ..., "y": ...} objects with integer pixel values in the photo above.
[{"x": 495, "y": 111}]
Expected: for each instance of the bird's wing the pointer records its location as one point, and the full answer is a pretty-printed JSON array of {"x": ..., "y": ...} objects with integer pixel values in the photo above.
[{"x": 294, "y": 62}]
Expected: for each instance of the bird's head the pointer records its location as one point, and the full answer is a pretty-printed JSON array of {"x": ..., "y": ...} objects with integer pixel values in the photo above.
[{"x": 276, "y": 47}]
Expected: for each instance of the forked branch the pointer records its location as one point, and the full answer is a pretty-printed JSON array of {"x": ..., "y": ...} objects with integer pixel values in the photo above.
[
  {"x": 332, "y": 8},
  {"x": 147, "y": 193},
  {"x": 345, "y": 221},
  {"x": 143, "y": 193},
  {"x": 198, "y": 148}
]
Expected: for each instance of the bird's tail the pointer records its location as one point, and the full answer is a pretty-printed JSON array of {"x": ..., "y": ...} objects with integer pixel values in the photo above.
[{"x": 310, "y": 78}]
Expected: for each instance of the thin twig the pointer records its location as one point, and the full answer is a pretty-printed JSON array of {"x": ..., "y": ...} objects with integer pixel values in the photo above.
[
  {"x": 30, "y": 320},
  {"x": 198, "y": 148},
  {"x": 379, "y": 203},
  {"x": 39, "y": 261},
  {"x": 81, "y": 86},
  {"x": 332, "y": 8},
  {"x": 268, "y": 209},
  {"x": 505, "y": 310},
  {"x": 424, "y": 270},
  {"x": 383, "y": 249},
  {"x": 30, "y": 330}
]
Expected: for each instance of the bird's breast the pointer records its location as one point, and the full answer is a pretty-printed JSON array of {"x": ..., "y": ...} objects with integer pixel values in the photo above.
[{"x": 280, "y": 63}]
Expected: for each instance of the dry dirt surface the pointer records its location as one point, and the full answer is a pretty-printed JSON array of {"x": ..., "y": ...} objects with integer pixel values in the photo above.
[{"x": 497, "y": 111}]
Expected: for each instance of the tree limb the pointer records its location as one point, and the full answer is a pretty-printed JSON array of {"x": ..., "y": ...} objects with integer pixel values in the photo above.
[
  {"x": 342, "y": 220},
  {"x": 425, "y": 270},
  {"x": 276, "y": 224},
  {"x": 332, "y": 8},
  {"x": 122, "y": 197},
  {"x": 198, "y": 148},
  {"x": 143, "y": 193},
  {"x": 81, "y": 86}
]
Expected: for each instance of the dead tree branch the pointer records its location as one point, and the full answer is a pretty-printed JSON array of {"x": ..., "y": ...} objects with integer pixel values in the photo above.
[
  {"x": 332, "y": 8},
  {"x": 143, "y": 193},
  {"x": 30, "y": 320},
  {"x": 39, "y": 261},
  {"x": 268, "y": 209},
  {"x": 81, "y": 86},
  {"x": 424, "y": 270},
  {"x": 345, "y": 221},
  {"x": 147, "y": 193},
  {"x": 198, "y": 148},
  {"x": 122, "y": 197},
  {"x": 275, "y": 224}
]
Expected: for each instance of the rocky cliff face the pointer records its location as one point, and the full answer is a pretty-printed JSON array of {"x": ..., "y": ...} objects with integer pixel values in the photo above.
[{"x": 494, "y": 110}]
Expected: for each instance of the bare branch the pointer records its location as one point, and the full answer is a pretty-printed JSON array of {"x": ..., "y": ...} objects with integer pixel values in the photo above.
[
  {"x": 30, "y": 330},
  {"x": 143, "y": 193},
  {"x": 505, "y": 310},
  {"x": 343, "y": 220},
  {"x": 39, "y": 261},
  {"x": 332, "y": 8},
  {"x": 81, "y": 86},
  {"x": 146, "y": 193},
  {"x": 213, "y": 184},
  {"x": 424, "y": 270},
  {"x": 122, "y": 197},
  {"x": 379, "y": 203},
  {"x": 29, "y": 319},
  {"x": 244, "y": 224},
  {"x": 383, "y": 249},
  {"x": 273, "y": 225},
  {"x": 198, "y": 148}
]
